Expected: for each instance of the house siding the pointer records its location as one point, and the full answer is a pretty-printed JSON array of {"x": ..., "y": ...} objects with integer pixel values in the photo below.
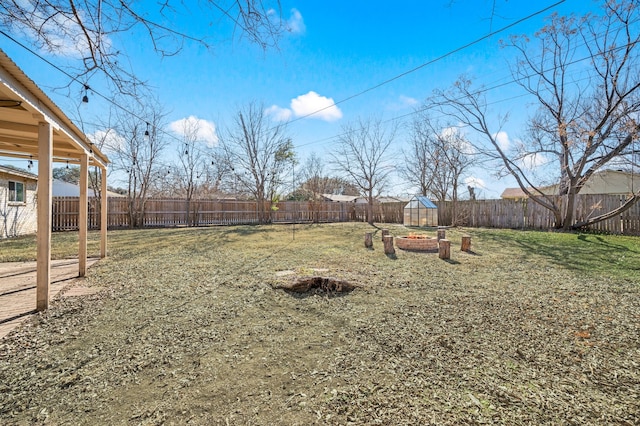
[{"x": 17, "y": 218}]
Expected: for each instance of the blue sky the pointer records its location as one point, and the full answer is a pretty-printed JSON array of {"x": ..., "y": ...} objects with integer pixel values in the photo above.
[{"x": 335, "y": 49}]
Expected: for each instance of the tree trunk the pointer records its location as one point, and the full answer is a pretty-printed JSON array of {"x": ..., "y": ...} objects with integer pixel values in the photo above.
[
  {"x": 444, "y": 249},
  {"x": 368, "y": 240},
  {"x": 388, "y": 245},
  {"x": 466, "y": 243},
  {"x": 567, "y": 220}
]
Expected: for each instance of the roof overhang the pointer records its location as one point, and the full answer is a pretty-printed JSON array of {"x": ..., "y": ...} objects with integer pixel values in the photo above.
[
  {"x": 18, "y": 173},
  {"x": 23, "y": 105}
]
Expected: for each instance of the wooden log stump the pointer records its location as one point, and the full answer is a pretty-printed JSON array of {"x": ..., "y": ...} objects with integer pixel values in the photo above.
[
  {"x": 368, "y": 240},
  {"x": 441, "y": 233},
  {"x": 466, "y": 243},
  {"x": 385, "y": 232},
  {"x": 388, "y": 244},
  {"x": 444, "y": 249}
]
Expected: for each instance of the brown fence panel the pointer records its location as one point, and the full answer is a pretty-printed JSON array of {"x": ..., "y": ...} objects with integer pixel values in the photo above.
[
  {"x": 65, "y": 213},
  {"x": 515, "y": 214},
  {"x": 527, "y": 214}
]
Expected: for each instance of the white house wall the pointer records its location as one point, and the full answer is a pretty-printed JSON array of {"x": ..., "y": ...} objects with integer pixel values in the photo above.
[{"x": 17, "y": 218}]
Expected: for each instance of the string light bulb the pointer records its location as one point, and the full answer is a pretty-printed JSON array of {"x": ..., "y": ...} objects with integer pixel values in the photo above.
[
  {"x": 67, "y": 164},
  {"x": 146, "y": 132},
  {"x": 85, "y": 98},
  {"x": 30, "y": 163}
]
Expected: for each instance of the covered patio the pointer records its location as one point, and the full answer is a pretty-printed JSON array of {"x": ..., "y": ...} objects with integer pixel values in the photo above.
[{"x": 33, "y": 127}]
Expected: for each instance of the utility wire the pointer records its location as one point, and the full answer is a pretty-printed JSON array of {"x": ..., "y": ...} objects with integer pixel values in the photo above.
[
  {"x": 430, "y": 62},
  {"x": 477, "y": 92},
  {"x": 367, "y": 90},
  {"x": 385, "y": 82}
]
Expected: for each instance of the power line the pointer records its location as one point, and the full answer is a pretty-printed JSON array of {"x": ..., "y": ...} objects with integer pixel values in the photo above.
[
  {"x": 430, "y": 62},
  {"x": 480, "y": 91},
  {"x": 388, "y": 81},
  {"x": 410, "y": 71},
  {"x": 367, "y": 90}
]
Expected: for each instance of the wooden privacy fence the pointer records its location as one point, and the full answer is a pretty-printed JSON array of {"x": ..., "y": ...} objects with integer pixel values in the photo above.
[
  {"x": 526, "y": 214},
  {"x": 179, "y": 212},
  {"x": 382, "y": 212},
  {"x": 515, "y": 214}
]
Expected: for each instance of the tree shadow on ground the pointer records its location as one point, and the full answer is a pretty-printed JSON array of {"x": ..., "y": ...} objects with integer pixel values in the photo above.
[{"x": 593, "y": 252}]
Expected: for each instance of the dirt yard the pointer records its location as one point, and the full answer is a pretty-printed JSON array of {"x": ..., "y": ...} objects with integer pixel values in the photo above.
[{"x": 528, "y": 328}]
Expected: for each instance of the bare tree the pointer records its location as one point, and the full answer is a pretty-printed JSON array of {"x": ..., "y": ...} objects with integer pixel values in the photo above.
[
  {"x": 215, "y": 174},
  {"x": 135, "y": 148},
  {"x": 584, "y": 76},
  {"x": 257, "y": 153},
  {"x": 438, "y": 157},
  {"x": 316, "y": 181},
  {"x": 89, "y": 29},
  {"x": 191, "y": 169},
  {"x": 362, "y": 155}
]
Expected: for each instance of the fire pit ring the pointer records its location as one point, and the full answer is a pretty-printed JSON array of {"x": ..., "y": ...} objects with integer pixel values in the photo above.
[{"x": 417, "y": 244}]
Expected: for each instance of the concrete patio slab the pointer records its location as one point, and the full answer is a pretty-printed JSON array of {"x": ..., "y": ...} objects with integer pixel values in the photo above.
[{"x": 18, "y": 288}]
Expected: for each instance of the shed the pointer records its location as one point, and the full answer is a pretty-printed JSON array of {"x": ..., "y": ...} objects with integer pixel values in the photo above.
[
  {"x": 420, "y": 211},
  {"x": 18, "y": 213}
]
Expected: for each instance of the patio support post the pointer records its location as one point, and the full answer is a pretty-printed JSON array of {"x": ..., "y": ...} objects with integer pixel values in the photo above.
[
  {"x": 43, "y": 274},
  {"x": 83, "y": 215},
  {"x": 103, "y": 214}
]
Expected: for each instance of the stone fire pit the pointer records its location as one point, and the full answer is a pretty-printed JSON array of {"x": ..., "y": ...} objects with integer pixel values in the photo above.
[{"x": 417, "y": 243}]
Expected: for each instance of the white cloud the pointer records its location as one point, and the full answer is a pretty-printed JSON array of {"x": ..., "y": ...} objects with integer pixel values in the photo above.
[
  {"x": 321, "y": 107},
  {"x": 403, "y": 102},
  {"x": 279, "y": 114},
  {"x": 205, "y": 130},
  {"x": 474, "y": 182},
  {"x": 449, "y": 133},
  {"x": 408, "y": 101},
  {"x": 533, "y": 160},
  {"x": 455, "y": 135},
  {"x": 310, "y": 105},
  {"x": 503, "y": 140},
  {"x": 107, "y": 140},
  {"x": 64, "y": 36},
  {"x": 295, "y": 24}
]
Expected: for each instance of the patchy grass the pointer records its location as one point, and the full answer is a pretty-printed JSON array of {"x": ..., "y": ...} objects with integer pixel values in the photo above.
[
  {"x": 592, "y": 254},
  {"x": 64, "y": 245},
  {"x": 529, "y": 328}
]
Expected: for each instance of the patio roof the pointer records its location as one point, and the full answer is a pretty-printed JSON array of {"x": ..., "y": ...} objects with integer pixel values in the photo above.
[
  {"x": 33, "y": 127},
  {"x": 23, "y": 105}
]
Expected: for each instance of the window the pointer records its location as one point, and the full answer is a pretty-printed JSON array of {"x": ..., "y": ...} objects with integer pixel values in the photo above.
[{"x": 16, "y": 192}]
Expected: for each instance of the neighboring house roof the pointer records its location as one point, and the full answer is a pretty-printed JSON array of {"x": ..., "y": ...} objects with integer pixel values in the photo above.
[
  {"x": 17, "y": 172},
  {"x": 61, "y": 188},
  {"x": 612, "y": 182},
  {"x": 381, "y": 200},
  {"x": 513, "y": 193},
  {"x": 340, "y": 198},
  {"x": 418, "y": 200},
  {"x": 389, "y": 199}
]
